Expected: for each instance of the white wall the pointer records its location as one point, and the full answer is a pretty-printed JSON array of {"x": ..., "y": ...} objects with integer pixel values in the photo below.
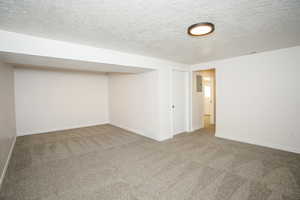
[
  {"x": 19, "y": 44},
  {"x": 16, "y": 43},
  {"x": 7, "y": 116},
  {"x": 258, "y": 99},
  {"x": 48, "y": 100},
  {"x": 133, "y": 103},
  {"x": 55, "y": 100}
]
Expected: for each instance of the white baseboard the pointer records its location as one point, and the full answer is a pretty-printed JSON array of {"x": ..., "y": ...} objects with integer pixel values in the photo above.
[
  {"x": 139, "y": 132},
  {"x": 61, "y": 129},
  {"x": 7, "y": 161},
  {"x": 163, "y": 139},
  {"x": 195, "y": 128},
  {"x": 262, "y": 144}
]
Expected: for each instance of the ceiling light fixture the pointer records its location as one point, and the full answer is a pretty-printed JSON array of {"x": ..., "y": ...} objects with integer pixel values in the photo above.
[{"x": 201, "y": 29}]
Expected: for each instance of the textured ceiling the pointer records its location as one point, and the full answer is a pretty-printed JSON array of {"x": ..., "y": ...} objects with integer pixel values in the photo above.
[{"x": 157, "y": 28}]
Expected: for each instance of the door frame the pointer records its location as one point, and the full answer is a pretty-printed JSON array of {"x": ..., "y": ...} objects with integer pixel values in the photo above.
[
  {"x": 191, "y": 81},
  {"x": 187, "y": 100}
]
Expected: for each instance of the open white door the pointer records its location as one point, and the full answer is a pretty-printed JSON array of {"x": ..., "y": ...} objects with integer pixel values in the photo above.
[
  {"x": 179, "y": 101},
  {"x": 207, "y": 100}
]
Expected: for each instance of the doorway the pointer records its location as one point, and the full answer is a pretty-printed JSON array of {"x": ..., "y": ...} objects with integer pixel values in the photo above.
[
  {"x": 180, "y": 101},
  {"x": 204, "y": 100}
]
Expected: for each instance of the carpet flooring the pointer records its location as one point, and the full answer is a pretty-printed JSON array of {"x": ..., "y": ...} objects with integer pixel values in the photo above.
[{"x": 106, "y": 162}]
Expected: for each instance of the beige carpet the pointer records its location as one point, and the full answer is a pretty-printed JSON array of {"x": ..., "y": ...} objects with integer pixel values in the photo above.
[{"x": 105, "y": 162}]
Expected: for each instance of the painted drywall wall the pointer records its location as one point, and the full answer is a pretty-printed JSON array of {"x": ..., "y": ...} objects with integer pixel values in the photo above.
[
  {"x": 16, "y": 43},
  {"x": 258, "y": 99},
  {"x": 133, "y": 103},
  {"x": 7, "y": 116},
  {"x": 55, "y": 100}
]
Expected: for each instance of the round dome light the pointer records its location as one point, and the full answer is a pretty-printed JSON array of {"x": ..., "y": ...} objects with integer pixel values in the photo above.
[{"x": 201, "y": 29}]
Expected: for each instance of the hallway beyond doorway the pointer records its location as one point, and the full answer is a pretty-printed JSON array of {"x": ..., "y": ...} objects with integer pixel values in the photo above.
[{"x": 203, "y": 99}]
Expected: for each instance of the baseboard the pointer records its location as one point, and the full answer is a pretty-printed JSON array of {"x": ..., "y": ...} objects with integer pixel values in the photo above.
[
  {"x": 272, "y": 146},
  {"x": 139, "y": 132},
  {"x": 163, "y": 139},
  {"x": 62, "y": 129},
  {"x": 7, "y": 162},
  {"x": 196, "y": 128}
]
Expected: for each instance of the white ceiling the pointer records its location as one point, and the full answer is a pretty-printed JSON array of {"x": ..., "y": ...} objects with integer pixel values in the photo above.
[{"x": 158, "y": 27}]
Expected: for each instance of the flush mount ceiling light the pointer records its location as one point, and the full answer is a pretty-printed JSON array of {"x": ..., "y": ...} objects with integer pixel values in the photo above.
[{"x": 201, "y": 29}]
